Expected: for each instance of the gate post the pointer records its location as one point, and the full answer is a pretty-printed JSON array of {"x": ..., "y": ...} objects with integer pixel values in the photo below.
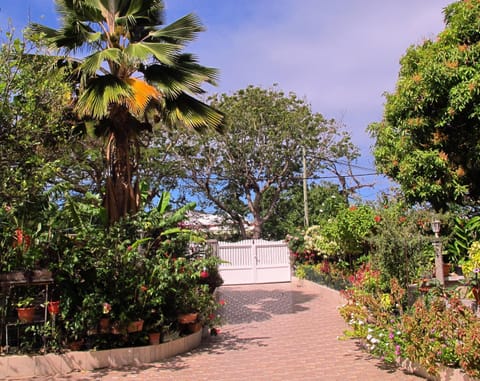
[{"x": 213, "y": 244}]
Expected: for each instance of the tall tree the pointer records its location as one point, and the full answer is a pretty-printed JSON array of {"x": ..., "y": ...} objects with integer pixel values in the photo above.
[
  {"x": 429, "y": 138},
  {"x": 136, "y": 77},
  {"x": 33, "y": 130},
  {"x": 260, "y": 154}
]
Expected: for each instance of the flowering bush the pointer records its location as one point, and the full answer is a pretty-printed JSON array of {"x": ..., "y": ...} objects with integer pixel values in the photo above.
[
  {"x": 436, "y": 330},
  {"x": 319, "y": 240}
]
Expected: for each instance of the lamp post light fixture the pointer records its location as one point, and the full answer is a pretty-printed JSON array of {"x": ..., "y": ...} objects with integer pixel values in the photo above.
[
  {"x": 437, "y": 246},
  {"x": 436, "y": 227}
]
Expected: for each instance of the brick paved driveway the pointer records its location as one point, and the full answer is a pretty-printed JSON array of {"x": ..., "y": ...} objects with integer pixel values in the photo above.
[{"x": 274, "y": 332}]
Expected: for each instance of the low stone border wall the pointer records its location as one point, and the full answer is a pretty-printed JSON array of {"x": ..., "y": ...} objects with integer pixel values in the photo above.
[
  {"x": 444, "y": 373},
  {"x": 55, "y": 364}
]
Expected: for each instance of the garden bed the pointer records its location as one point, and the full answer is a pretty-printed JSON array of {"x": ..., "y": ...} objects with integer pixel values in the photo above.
[{"x": 76, "y": 361}]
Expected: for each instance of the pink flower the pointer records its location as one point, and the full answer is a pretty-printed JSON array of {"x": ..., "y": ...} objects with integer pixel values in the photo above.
[
  {"x": 106, "y": 307},
  {"x": 397, "y": 350}
]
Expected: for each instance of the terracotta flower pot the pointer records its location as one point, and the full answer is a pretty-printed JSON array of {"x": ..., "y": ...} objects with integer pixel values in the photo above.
[
  {"x": 154, "y": 338},
  {"x": 135, "y": 326},
  {"x": 26, "y": 314},
  {"x": 54, "y": 307},
  {"x": 187, "y": 318},
  {"x": 104, "y": 325},
  {"x": 194, "y": 327}
]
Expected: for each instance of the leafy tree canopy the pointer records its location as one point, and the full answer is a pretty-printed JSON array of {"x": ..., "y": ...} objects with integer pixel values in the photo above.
[
  {"x": 259, "y": 155},
  {"x": 33, "y": 132},
  {"x": 428, "y": 140}
]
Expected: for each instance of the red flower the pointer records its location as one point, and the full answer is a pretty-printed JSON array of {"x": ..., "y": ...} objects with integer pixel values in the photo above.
[
  {"x": 402, "y": 219},
  {"x": 221, "y": 302},
  {"x": 204, "y": 274},
  {"x": 21, "y": 239},
  {"x": 352, "y": 208},
  {"x": 377, "y": 218}
]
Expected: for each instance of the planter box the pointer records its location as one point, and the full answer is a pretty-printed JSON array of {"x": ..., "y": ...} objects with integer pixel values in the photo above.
[
  {"x": 53, "y": 364},
  {"x": 22, "y": 277}
]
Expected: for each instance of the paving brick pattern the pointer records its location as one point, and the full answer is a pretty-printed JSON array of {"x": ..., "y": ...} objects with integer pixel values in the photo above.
[{"x": 273, "y": 332}]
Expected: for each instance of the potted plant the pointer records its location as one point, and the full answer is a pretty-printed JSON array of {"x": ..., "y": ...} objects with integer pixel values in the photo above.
[
  {"x": 188, "y": 305},
  {"x": 26, "y": 309},
  {"x": 153, "y": 324},
  {"x": 53, "y": 307}
]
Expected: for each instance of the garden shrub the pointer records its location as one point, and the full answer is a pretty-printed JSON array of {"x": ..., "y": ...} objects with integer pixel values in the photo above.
[
  {"x": 401, "y": 245},
  {"x": 437, "y": 330}
]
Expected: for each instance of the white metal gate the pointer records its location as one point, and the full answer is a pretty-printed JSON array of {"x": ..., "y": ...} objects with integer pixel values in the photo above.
[{"x": 254, "y": 261}]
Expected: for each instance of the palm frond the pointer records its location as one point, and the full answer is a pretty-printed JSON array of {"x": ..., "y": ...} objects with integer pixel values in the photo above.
[
  {"x": 81, "y": 10},
  {"x": 163, "y": 52},
  {"x": 69, "y": 39},
  {"x": 172, "y": 81},
  {"x": 183, "y": 30},
  {"x": 92, "y": 63},
  {"x": 191, "y": 113},
  {"x": 185, "y": 76},
  {"x": 140, "y": 12},
  {"x": 99, "y": 94}
]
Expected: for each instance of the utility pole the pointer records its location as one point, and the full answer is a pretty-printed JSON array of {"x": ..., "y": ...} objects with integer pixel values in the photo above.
[{"x": 305, "y": 190}]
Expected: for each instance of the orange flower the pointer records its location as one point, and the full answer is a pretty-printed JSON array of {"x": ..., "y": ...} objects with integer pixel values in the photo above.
[{"x": 452, "y": 64}]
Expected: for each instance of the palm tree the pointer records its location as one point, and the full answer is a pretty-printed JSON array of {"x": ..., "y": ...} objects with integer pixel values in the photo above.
[{"x": 135, "y": 77}]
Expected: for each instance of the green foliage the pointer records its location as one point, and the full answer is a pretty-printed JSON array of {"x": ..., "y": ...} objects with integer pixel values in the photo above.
[
  {"x": 353, "y": 226},
  {"x": 33, "y": 133},
  {"x": 401, "y": 244},
  {"x": 140, "y": 267},
  {"x": 324, "y": 202},
  {"x": 471, "y": 265},
  {"x": 322, "y": 240},
  {"x": 463, "y": 234},
  {"x": 428, "y": 138},
  {"x": 329, "y": 274}
]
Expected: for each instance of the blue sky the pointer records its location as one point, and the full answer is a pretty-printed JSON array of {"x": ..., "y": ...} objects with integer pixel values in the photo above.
[{"x": 341, "y": 55}]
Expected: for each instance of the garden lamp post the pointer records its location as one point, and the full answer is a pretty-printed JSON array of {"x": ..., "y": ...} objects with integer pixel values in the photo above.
[{"x": 437, "y": 246}]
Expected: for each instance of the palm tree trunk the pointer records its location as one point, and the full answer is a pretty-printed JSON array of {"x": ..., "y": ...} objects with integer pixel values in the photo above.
[{"x": 122, "y": 193}]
